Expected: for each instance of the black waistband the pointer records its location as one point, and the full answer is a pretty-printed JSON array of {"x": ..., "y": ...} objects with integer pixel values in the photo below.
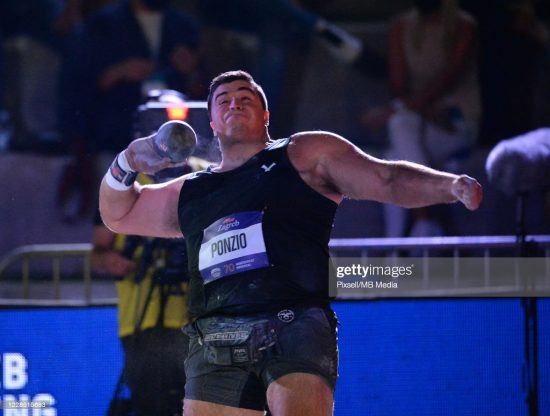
[{"x": 266, "y": 310}]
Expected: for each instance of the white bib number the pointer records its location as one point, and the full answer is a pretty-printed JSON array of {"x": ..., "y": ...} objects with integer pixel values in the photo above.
[{"x": 232, "y": 244}]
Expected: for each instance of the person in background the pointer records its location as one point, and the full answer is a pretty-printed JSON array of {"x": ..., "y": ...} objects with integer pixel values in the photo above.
[
  {"x": 285, "y": 31},
  {"x": 151, "y": 292},
  {"x": 151, "y": 280},
  {"x": 436, "y": 110}
]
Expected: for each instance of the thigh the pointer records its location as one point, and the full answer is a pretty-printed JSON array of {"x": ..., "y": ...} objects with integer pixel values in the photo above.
[
  {"x": 307, "y": 344},
  {"x": 232, "y": 386},
  {"x": 200, "y": 408},
  {"x": 301, "y": 395}
]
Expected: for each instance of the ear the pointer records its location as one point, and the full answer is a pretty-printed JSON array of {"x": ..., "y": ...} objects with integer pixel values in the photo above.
[
  {"x": 212, "y": 126},
  {"x": 266, "y": 118}
]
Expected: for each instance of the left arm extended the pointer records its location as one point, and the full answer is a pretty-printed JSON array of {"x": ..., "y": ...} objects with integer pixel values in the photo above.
[{"x": 335, "y": 167}]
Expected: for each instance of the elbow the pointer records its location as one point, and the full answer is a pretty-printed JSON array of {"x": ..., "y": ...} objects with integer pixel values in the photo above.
[{"x": 111, "y": 223}]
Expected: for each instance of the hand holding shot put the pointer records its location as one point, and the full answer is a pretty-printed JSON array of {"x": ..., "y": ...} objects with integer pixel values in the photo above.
[
  {"x": 242, "y": 221},
  {"x": 170, "y": 146}
]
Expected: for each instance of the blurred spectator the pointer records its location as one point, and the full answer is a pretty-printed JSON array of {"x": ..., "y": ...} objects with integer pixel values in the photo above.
[
  {"x": 31, "y": 49},
  {"x": 152, "y": 309},
  {"x": 151, "y": 281},
  {"x": 124, "y": 51},
  {"x": 37, "y": 35},
  {"x": 151, "y": 287},
  {"x": 73, "y": 13},
  {"x": 434, "y": 117},
  {"x": 285, "y": 30}
]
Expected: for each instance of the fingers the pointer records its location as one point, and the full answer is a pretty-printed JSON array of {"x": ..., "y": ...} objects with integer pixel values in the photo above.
[
  {"x": 143, "y": 158},
  {"x": 468, "y": 191},
  {"x": 170, "y": 147}
]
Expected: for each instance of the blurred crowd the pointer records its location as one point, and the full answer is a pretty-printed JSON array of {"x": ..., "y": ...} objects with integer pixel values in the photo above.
[{"x": 460, "y": 76}]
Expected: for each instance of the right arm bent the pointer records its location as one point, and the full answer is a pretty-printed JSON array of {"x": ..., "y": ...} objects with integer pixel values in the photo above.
[{"x": 150, "y": 210}]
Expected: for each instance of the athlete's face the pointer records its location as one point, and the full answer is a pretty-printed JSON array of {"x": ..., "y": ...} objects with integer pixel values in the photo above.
[{"x": 237, "y": 112}]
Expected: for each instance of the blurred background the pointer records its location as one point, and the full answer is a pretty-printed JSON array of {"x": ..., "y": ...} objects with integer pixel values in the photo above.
[
  {"x": 72, "y": 75},
  {"x": 311, "y": 84}
]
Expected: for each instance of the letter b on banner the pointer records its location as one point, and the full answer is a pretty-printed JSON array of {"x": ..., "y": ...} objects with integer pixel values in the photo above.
[{"x": 15, "y": 371}]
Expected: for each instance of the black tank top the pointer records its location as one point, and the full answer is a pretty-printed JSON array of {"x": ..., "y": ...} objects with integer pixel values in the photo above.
[{"x": 257, "y": 237}]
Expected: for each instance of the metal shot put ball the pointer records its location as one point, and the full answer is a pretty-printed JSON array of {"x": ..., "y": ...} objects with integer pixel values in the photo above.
[{"x": 176, "y": 140}]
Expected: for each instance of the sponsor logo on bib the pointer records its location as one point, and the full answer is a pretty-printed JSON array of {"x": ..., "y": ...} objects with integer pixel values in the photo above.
[{"x": 232, "y": 244}]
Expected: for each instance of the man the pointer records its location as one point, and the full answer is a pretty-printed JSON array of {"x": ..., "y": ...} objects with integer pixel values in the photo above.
[
  {"x": 257, "y": 229},
  {"x": 434, "y": 117}
]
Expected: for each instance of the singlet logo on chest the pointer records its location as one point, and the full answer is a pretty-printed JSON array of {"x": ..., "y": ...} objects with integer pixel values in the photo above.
[
  {"x": 232, "y": 244},
  {"x": 268, "y": 168}
]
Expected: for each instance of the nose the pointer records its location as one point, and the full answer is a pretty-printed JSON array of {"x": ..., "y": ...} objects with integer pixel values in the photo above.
[{"x": 235, "y": 103}]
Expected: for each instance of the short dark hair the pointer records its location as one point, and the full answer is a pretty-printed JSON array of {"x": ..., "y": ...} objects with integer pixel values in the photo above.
[{"x": 230, "y": 76}]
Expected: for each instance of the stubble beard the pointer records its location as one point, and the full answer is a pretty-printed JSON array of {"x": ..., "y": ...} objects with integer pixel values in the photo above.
[{"x": 242, "y": 135}]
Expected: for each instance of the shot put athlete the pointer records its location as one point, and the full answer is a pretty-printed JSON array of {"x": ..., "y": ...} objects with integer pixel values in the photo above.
[{"x": 257, "y": 229}]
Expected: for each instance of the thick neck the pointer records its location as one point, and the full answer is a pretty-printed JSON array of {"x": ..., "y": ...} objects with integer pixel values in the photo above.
[{"x": 236, "y": 154}]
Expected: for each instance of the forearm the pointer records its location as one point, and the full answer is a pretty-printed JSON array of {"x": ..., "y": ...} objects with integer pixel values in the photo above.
[
  {"x": 411, "y": 185},
  {"x": 408, "y": 184}
]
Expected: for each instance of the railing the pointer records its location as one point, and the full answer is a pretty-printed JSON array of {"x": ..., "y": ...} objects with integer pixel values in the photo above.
[
  {"x": 457, "y": 244},
  {"x": 56, "y": 253},
  {"x": 363, "y": 248}
]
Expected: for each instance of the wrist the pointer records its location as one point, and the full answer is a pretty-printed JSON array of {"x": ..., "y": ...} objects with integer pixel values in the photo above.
[{"x": 120, "y": 175}]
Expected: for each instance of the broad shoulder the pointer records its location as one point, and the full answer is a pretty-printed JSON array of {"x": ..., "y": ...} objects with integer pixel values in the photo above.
[
  {"x": 316, "y": 138},
  {"x": 310, "y": 150},
  {"x": 312, "y": 145}
]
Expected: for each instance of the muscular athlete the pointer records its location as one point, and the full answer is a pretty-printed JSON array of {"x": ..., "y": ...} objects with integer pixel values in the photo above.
[{"x": 328, "y": 168}]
